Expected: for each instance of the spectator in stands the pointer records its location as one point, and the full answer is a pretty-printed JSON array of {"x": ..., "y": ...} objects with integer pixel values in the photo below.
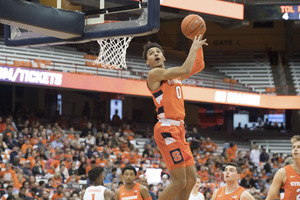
[
  {"x": 41, "y": 187},
  {"x": 63, "y": 171},
  {"x": 143, "y": 181},
  {"x": 40, "y": 144},
  {"x": 104, "y": 140},
  {"x": 33, "y": 193},
  {"x": 73, "y": 168},
  {"x": 9, "y": 192},
  {"x": 3, "y": 145},
  {"x": 82, "y": 171},
  {"x": 2, "y": 127},
  {"x": 225, "y": 146},
  {"x": 195, "y": 194},
  {"x": 239, "y": 128},
  {"x": 57, "y": 142},
  {"x": 264, "y": 156},
  {"x": 26, "y": 145},
  {"x": 254, "y": 155},
  {"x": 116, "y": 120},
  {"x": 59, "y": 194},
  {"x": 253, "y": 128},
  {"x": 146, "y": 152},
  {"x": 231, "y": 152},
  {"x": 49, "y": 185},
  {"x": 246, "y": 128},
  {"x": 22, "y": 193},
  {"x": 195, "y": 142},
  {"x": 20, "y": 141},
  {"x": 151, "y": 141},
  {"x": 113, "y": 174},
  {"x": 127, "y": 131},
  {"x": 32, "y": 181},
  {"x": 38, "y": 169},
  {"x": 113, "y": 184},
  {"x": 253, "y": 181},
  {"x": 203, "y": 173},
  {"x": 25, "y": 184},
  {"x": 90, "y": 140},
  {"x": 281, "y": 127},
  {"x": 245, "y": 182},
  {"x": 14, "y": 153},
  {"x": 19, "y": 179},
  {"x": 209, "y": 145},
  {"x": 8, "y": 127},
  {"x": 73, "y": 183},
  {"x": 115, "y": 141},
  {"x": 45, "y": 194},
  {"x": 93, "y": 151},
  {"x": 268, "y": 166},
  {"x": 10, "y": 142},
  {"x": 8, "y": 175},
  {"x": 165, "y": 180},
  {"x": 88, "y": 128}
]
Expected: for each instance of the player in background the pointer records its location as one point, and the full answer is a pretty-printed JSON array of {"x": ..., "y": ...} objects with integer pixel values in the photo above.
[
  {"x": 97, "y": 191},
  {"x": 169, "y": 133},
  {"x": 232, "y": 190},
  {"x": 131, "y": 190},
  {"x": 287, "y": 179}
]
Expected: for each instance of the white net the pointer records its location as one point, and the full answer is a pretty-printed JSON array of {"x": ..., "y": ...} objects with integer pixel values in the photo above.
[
  {"x": 15, "y": 32},
  {"x": 112, "y": 53}
]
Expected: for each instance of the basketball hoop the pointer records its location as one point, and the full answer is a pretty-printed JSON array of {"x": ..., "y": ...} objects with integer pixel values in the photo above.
[
  {"x": 15, "y": 32},
  {"x": 112, "y": 53}
]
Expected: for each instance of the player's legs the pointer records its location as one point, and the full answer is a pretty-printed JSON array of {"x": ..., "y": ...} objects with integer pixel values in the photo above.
[
  {"x": 177, "y": 156},
  {"x": 177, "y": 183},
  {"x": 190, "y": 170},
  {"x": 190, "y": 182}
]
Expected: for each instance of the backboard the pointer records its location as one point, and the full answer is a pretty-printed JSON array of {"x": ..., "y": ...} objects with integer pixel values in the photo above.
[{"x": 102, "y": 19}]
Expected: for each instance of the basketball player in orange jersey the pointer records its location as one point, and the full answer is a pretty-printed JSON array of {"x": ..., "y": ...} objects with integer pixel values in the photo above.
[
  {"x": 131, "y": 190},
  {"x": 288, "y": 177},
  {"x": 169, "y": 132},
  {"x": 232, "y": 190},
  {"x": 97, "y": 191}
]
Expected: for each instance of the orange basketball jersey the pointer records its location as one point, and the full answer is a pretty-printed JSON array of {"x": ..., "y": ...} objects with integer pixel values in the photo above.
[
  {"x": 168, "y": 100},
  {"x": 133, "y": 194},
  {"x": 232, "y": 196},
  {"x": 291, "y": 187}
]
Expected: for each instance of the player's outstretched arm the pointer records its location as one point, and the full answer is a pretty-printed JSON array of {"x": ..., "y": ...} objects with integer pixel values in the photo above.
[
  {"x": 278, "y": 181},
  {"x": 145, "y": 193},
  {"x": 159, "y": 74},
  {"x": 117, "y": 195},
  {"x": 214, "y": 194},
  {"x": 108, "y": 195},
  {"x": 246, "y": 196}
]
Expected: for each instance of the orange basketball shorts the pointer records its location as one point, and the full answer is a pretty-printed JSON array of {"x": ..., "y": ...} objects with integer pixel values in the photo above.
[{"x": 171, "y": 142}]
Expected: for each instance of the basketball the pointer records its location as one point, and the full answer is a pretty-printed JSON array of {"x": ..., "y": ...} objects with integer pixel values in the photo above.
[{"x": 193, "y": 25}]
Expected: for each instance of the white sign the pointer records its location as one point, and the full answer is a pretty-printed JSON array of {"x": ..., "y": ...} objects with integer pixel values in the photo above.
[
  {"x": 237, "y": 98},
  {"x": 20, "y": 75}
]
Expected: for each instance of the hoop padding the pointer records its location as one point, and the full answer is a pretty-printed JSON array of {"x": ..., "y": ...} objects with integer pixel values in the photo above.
[{"x": 112, "y": 53}]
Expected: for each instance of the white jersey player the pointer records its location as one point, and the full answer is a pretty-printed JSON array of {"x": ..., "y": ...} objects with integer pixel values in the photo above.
[{"x": 97, "y": 191}]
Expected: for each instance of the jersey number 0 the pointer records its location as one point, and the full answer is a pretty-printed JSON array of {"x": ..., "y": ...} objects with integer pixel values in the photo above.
[{"x": 178, "y": 92}]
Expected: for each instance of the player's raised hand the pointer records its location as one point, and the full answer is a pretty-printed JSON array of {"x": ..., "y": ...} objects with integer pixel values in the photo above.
[{"x": 198, "y": 42}]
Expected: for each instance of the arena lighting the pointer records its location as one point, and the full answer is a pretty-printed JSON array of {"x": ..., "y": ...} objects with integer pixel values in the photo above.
[
  {"x": 237, "y": 98},
  {"x": 213, "y": 7},
  {"x": 20, "y": 75}
]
